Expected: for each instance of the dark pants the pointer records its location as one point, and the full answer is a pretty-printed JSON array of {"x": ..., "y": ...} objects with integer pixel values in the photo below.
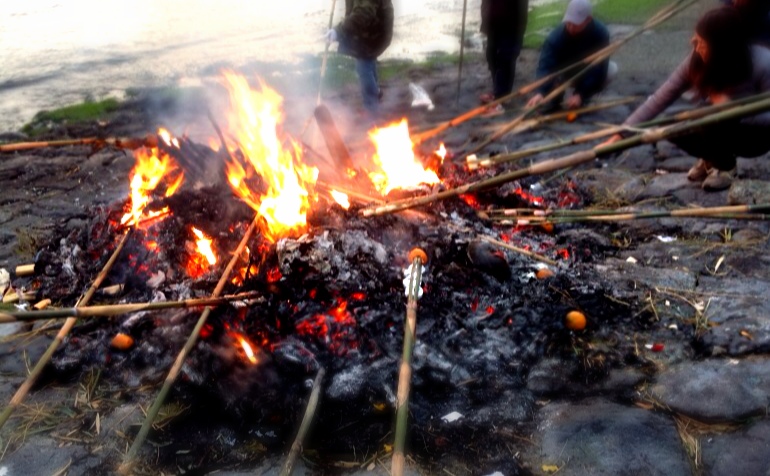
[
  {"x": 370, "y": 89},
  {"x": 502, "y": 51},
  {"x": 720, "y": 144}
]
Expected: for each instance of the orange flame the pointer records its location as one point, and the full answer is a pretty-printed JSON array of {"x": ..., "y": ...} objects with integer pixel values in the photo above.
[
  {"x": 247, "y": 349},
  {"x": 204, "y": 246},
  {"x": 341, "y": 199},
  {"x": 151, "y": 167},
  {"x": 254, "y": 121},
  {"x": 399, "y": 168}
]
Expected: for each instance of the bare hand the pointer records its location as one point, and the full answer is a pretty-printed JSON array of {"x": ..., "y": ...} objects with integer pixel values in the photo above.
[
  {"x": 719, "y": 98},
  {"x": 574, "y": 101},
  {"x": 534, "y": 100}
]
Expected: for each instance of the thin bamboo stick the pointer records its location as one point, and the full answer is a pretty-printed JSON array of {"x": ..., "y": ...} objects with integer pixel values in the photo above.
[
  {"x": 462, "y": 53},
  {"x": 577, "y": 158},
  {"x": 326, "y": 56},
  {"x": 405, "y": 371},
  {"x": 129, "y": 460},
  {"x": 307, "y": 419},
  {"x": 654, "y": 21},
  {"x": 626, "y": 217},
  {"x": 559, "y": 90},
  {"x": 521, "y": 251},
  {"x": 122, "y": 143},
  {"x": 118, "y": 309},
  {"x": 22, "y": 392}
]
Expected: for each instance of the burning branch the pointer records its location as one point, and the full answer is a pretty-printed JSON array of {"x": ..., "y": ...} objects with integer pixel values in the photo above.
[
  {"x": 417, "y": 258},
  {"x": 96, "y": 142},
  {"x": 22, "y": 392},
  {"x": 577, "y": 158},
  {"x": 307, "y": 419},
  {"x": 130, "y": 458}
]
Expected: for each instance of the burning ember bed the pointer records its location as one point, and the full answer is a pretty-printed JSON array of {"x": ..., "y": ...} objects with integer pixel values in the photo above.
[{"x": 326, "y": 289}]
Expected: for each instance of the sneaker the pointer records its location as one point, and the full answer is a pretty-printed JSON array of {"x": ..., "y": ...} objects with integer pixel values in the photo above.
[
  {"x": 699, "y": 171},
  {"x": 493, "y": 111},
  {"x": 719, "y": 179}
]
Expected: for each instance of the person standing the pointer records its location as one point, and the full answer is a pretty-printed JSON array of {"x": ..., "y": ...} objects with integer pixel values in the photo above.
[
  {"x": 365, "y": 33},
  {"x": 579, "y": 36},
  {"x": 504, "y": 23}
]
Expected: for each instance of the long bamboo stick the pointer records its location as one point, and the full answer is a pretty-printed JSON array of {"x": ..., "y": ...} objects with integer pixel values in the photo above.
[
  {"x": 307, "y": 419},
  {"x": 698, "y": 211},
  {"x": 577, "y": 158},
  {"x": 22, "y": 392},
  {"x": 605, "y": 53},
  {"x": 474, "y": 163},
  {"x": 118, "y": 309},
  {"x": 405, "y": 372},
  {"x": 670, "y": 9},
  {"x": 129, "y": 460},
  {"x": 122, "y": 143},
  {"x": 462, "y": 54},
  {"x": 738, "y": 212},
  {"x": 326, "y": 56}
]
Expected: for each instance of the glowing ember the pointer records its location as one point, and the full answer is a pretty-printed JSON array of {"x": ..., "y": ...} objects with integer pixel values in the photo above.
[
  {"x": 204, "y": 246},
  {"x": 399, "y": 168},
  {"x": 254, "y": 121},
  {"x": 341, "y": 199},
  {"x": 152, "y": 166},
  {"x": 247, "y": 349}
]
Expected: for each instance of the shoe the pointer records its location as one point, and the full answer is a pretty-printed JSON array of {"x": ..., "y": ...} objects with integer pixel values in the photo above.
[
  {"x": 719, "y": 179},
  {"x": 486, "y": 98},
  {"x": 493, "y": 111},
  {"x": 699, "y": 171}
]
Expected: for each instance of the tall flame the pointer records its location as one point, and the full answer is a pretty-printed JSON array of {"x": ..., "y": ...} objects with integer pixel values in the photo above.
[
  {"x": 247, "y": 349},
  {"x": 204, "y": 246},
  {"x": 151, "y": 167},
  {"x": 395, "y": 157},
  {"x": 254, "y": 121}
]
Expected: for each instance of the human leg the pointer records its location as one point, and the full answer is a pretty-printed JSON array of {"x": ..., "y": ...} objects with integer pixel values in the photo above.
[
  {"x": 506, "y": 52},
  {"x": 370, "y": 90}
]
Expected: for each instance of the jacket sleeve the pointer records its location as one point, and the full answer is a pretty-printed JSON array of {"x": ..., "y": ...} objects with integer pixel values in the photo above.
[
  {"x": 549, "y": 60},
  {"x": 362, "y": 17},
  {"x": 593, "y": 81},
  {"x": 667, "y": 93}
]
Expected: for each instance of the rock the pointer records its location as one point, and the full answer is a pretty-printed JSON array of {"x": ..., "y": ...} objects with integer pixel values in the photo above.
[
  {"x": 718, "y": 390},
  {"x": 43, "y": 455},
  {"x": 750, "y": 335},
  {"x": 489, "y": 259},
  {"x": 598, "y": 437},
  {"x": 665, "y": 185},
  {"x": 744, "y": 452},
  {"x": 13, "y": 137},
  {"x": 749, "y": 192},
  {"x": 621, "y": 271},
  {"x": 551, "y": 377},
  {"x": 748, "y": 235}
]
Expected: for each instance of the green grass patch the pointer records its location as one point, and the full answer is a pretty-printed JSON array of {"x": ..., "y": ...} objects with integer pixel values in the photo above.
[
  {"x": 544, "y": 18},
  {"x": 83, "y": 112}
]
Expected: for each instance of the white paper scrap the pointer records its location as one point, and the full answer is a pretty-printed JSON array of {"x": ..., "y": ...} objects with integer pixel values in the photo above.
[
  {"x": 451, "y": 417},
  {"x": 666, "y": 239}
]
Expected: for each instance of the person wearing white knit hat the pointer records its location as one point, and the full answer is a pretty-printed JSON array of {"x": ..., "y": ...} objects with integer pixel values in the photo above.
[{"x": 578, "y": 36}]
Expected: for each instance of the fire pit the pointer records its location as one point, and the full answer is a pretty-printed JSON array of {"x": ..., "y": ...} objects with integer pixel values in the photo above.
[{"x": 327, "y": 292}]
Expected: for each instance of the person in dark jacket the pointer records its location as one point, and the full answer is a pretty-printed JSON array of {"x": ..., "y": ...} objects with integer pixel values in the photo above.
[
  {"x": 579, "y": 36},
  {"x": 504, "y": 23},
  {"x": 365, "y": 33},
  {"x": 723, "y": 65},
  {"x": 756, "y": 15}
]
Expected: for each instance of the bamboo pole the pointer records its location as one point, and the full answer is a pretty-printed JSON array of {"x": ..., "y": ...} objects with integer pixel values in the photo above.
[
  {"x": 129, "y": 460},
  {"x": 118, "y": 309},
  {"x": 326, "y": 55},
  {"x": 22, "y": 392},
  {"x": 417, "y": 258},
  {"x": 577, "y": 158},
  {"x": 474, "y": 163},
  {"x": 656, "y": 19},
  {"x": 307, "y": 419},
  {"x": 462, "y": 52},
  {"x": 122, "y": 143},
  {"x": 697, "y": 211},
  {"x": 596, "y": 61},
  {"x": 516, "y": 249},
  {"x": 742, "y": 212}
]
